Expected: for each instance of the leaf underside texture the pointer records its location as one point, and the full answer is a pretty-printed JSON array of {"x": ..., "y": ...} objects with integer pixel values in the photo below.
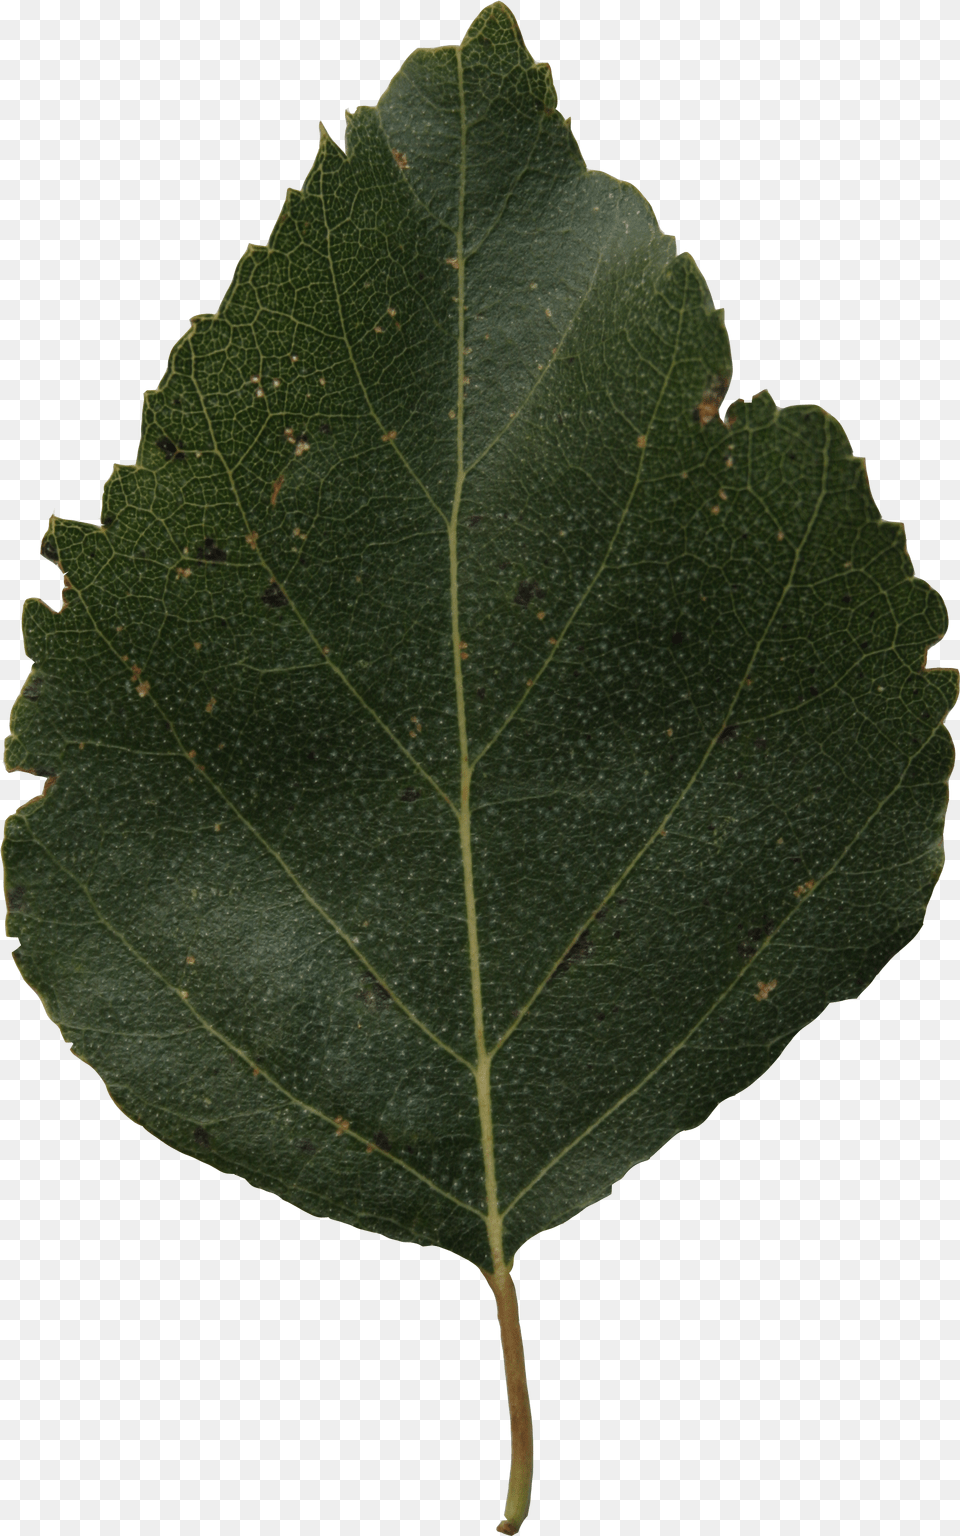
[{"x": 475, "y": 756}]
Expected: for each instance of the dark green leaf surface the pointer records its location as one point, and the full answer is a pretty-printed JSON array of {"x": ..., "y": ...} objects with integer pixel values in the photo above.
[{"x": 475, "y": 757}]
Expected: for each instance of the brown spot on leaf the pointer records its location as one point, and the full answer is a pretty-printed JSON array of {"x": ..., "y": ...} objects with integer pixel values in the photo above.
[
  {"x": 400, "y": 158},
  {"x": 277, "y": 486},
  {"x": 764, "y": 988},
  {"x": 713, "y": 394}
]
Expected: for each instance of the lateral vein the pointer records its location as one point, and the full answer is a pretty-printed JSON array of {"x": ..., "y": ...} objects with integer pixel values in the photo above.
[
  {"x": 291, "y": 603},
  {"x": 681, "y": 1044},
  {"x": 694, "y": 777},
  {"x": 538, "y": 674},
  {"x": 278, "y": 858},
  {"x": 238, "y": 1051}
]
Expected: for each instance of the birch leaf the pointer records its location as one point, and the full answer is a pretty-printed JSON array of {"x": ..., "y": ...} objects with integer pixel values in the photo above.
[{"x": 471, "y": 756}]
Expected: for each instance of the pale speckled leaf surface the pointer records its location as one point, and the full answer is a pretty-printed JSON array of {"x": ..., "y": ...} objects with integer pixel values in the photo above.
[{"x": 448, "y": 467}]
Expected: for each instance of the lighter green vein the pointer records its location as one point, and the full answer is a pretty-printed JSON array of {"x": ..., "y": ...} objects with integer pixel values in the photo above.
[
  {"x": 291, "y": 602},
  {"x": 281, "y": 862},
  {"x": 603, "y": 563},
  {"x": 508, "y": 195},
  {"x": 660, "y": 830},
  {"x": 237, "y": 1050},
  {"x": 540, "y": 378},
  {"x": 359, "y": 377},
  {"x": 721, "y": 998}
]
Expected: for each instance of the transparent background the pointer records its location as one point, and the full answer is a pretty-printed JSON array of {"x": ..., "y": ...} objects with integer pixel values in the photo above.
[{"x": 757, "y": 1330}]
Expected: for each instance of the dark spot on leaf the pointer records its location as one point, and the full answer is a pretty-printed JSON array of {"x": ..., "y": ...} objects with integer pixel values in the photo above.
[
  {"x": 846, "y": 599},
  {"x": 200, "y": 1136},
  {"x": 321, "y": 426},
  {"x": 409, "y": 795},
  {"x": 727, "y": 735},
  {"x": 273, "y": 597},
  {"x": 32, "y": 687},
  {"x": 382, "y": 1141},
  {"x": 176, "y": 402},
  {"x": 375, "y": 995},
  {"x": 169, "y": 449},
  {"x": 579, "y": 950},
  {"x": 15, "y": 898},
  {"x": 760, "y": 742},
  {"x": 473, "y": 521},
  {"x": 525, "y": 592},
  {"x": 307, "y": 1146},
  {"x": 753, "y": 938},
  {"x": 48, "y": 550},
  {"x": 481, "y": 693},
  {"x": 213, "y": 552},
  {"x": 677, "y": 637}
]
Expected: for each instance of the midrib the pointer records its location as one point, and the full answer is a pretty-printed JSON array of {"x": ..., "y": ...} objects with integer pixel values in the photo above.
[{"x": 493, "y": 1218}]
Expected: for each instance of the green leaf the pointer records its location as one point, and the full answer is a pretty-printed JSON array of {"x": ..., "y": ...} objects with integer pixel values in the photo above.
[{"x": 472, "y": 757}]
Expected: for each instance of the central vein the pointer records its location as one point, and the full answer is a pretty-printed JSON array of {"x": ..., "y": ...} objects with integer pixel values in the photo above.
[{"x": 494, "y": 1219}]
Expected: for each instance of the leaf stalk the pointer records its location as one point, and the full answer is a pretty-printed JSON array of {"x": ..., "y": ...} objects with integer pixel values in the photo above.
[{"x": 521, "y": 1421}]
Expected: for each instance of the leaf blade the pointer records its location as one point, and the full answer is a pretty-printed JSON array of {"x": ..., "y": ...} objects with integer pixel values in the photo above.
[{"x": 500, "y": 752}]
